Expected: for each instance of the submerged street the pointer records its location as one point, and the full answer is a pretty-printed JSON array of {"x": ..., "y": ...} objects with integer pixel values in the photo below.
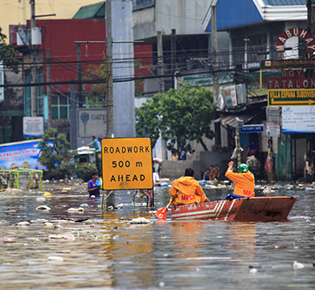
[{"x": 62, "y": 241}]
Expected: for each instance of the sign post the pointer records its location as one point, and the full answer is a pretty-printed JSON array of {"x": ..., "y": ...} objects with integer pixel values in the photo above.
[
  {"x": 127, "y": 163},
  {"x": 253, "y": 128},
  {"x": 291, "y": 97}
]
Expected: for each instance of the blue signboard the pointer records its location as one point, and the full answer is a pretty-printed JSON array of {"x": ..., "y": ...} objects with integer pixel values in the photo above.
[{"x": 255, "y": 128}]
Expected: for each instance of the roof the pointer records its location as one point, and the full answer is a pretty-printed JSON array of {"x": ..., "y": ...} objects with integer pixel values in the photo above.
[
  {"x": 230, "y": 120},
  {"x": 96, "y": 10},
  {"x": 238, "y": 13},
  {"x": 284, "y": 2}
]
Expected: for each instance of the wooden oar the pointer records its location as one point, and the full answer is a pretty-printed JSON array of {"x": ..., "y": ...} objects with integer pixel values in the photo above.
[{"x": 162, "y": 212}]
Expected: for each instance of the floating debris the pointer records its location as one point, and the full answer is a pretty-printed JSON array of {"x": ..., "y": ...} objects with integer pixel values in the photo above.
[
  {"x": 13, "y": 190},
  {"x": 297, "y": 265},
  {"x": 55, "y": 258},
  {"x": 47, "y": 194},
  {"x": 8, "y": 240},
  {"x": 40, "y": 199},
  {"x": 49, "y": 225},
  {"x": 71, "y": 209},
  {"x": 23, "y": 224},
  {"x": 140, "y": 220},
  {"x": 43, "y": 207}
]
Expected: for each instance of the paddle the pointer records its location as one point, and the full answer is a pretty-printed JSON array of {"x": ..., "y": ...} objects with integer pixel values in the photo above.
[{"x": 162, "y": 212}]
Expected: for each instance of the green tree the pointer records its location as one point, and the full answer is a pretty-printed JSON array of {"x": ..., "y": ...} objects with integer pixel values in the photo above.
[
  {"x": 8, "y": 54},
  {"x": 55, "y": 155},
  {"x": 96, "y": 93},
  {"x": 181, "y": 115}
]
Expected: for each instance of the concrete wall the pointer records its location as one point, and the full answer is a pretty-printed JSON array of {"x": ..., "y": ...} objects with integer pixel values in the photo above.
[
  {"x": 183, "y": 15},
  {"x": 213, "y": 158},
  {"x": 176, "y": 169},
  {"x": 17, "y": 12}
]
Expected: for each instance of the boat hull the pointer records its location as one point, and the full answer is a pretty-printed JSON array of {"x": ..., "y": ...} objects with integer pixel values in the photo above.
[{"x": 244, "y": 209}]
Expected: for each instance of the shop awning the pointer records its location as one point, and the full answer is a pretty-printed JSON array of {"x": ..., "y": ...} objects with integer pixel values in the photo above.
[{"x": 230, "y": 120}]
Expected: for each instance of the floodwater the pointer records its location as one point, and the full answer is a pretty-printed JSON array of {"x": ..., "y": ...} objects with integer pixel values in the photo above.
[{"x": 61, "y": 249}]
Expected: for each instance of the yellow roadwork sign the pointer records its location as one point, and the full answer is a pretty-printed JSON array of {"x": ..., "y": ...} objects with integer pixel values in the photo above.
[
  {"x": 291, "y": 97},
  {"x": 127, "y": 163}
]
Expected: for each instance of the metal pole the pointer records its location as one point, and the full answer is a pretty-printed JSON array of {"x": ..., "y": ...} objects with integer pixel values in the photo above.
[
  {"x": 238, "y": 146},
  {"x": 109, "y": 60},
  {"x": 245, "y": 53},
  {"x": 33, "y": 66},
  {"x": 49, "y": 89},
  {"x": 173, "y": 52},
  {"x": 73, "y": 117},
  {"x": 79, "y": 74},
  {"x": 214, "y": 50},
  {"x": 160, "y": 59}
]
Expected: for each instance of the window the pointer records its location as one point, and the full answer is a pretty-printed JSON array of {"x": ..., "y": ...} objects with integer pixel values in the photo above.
[{"x": 60, "y": 107}]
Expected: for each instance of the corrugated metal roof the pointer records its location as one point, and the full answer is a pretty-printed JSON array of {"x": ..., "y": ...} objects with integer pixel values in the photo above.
[
  {"x": 284, "y": 2},
  {"x": 230, "y": 120},
  {"x": 96, "y": 10}
]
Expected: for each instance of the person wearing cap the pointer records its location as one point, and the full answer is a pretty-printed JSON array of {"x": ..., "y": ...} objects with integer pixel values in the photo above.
[{"x": 243, "y": 181}]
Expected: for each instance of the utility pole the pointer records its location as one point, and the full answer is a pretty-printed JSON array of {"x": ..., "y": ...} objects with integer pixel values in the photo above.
[
  {"x": 79, "y": 67},
  {"x": 159, "y": 39},
  {"x": 173, "y": 53},
  {"x": 246, "y": 40},
  {"x": 109, "y": 60},
  {"x": 214, "y": 50},
  {"x": 311, "y": 16},
  {"x": 33, "y": 65},
  {"x": 48, "y": 78},
  {"x": 160, "y": 59}
]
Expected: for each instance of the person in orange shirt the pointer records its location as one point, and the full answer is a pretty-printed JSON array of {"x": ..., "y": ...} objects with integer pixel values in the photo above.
[
  {"x": 244, "y": 181},
  {"x": 187, "y": 190}
]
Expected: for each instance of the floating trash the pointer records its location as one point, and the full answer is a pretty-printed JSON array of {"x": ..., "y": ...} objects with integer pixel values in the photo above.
[
  {"x": 40, "y": 199},
  {"x": 23, "y": 224},
  {"x": 71, "y": 209},
  {"x": 8, "y": 240},
  {"x": 49, "y": 225},
  {"x": 55, "y": 258},
  {"x": 47, "y": 194},
  {"x": 43, "y": 207},
  {"x": 297, "y": 265},
  {"x": 12, "y": 190},
  {"x": 140, "y": 220}
]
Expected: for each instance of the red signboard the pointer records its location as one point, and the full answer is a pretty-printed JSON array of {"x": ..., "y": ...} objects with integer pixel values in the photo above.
[{"x": 302, "y": 33}]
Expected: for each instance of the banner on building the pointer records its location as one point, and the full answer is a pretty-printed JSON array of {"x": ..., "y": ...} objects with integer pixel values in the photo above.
[
  {"x": 22, "y": 154},
  {"x": 298, "y": 119}
]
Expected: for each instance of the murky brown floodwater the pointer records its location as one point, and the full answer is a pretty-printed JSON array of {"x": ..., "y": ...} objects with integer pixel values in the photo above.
[{"x": 58, "y": 249}]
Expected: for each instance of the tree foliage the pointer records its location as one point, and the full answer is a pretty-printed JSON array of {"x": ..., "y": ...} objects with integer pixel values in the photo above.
[
  {"x": 55, "y": 155},
  {"x": 8, "y": 54},
  {"x": 181, "y": 116},
  {"x": 96, "y": 94}
]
